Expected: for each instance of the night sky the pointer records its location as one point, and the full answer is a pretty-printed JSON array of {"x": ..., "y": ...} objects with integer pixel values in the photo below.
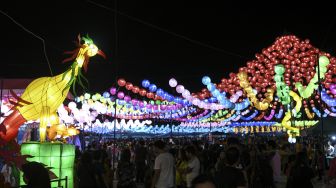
[{"x": 146, "y": 45}]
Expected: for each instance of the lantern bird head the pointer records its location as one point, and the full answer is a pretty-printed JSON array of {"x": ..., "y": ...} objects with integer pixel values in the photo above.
[
  {"x": 90, "y": 48},
  {"x": 83, "y": 52}
]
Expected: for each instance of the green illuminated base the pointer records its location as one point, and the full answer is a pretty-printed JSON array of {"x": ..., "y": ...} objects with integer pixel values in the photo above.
[{"x": 59, "y": 156}]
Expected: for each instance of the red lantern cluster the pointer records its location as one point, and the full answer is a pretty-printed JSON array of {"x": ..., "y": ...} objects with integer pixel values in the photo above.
[{"x": 298, "y": 57}]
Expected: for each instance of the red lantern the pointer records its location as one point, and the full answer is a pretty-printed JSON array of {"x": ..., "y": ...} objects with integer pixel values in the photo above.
[
  {"x": 135, "y": 89},
  {"x": 121, "y": 82},
  {"x": 142, "y": 92},
  {"x": 129, "y": 86},
  {"x": 150, "y": 95}
]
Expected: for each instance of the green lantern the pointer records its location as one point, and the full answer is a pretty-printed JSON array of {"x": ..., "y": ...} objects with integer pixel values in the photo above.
[
  {"x": 282, "y": 88},
  {"x": 306, "y": 92},
  {"x": 60, "y": 157}
]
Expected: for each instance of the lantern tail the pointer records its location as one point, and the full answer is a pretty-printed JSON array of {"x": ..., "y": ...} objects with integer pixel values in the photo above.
[{"x": 9, "y": 128}]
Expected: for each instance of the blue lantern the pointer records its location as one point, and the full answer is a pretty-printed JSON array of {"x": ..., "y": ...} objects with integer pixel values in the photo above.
[
  {"x": 206, "y": 80},
  {"x": 106, "y": 94},
  {"x": 211, "y": 87},
  {"x": 159, "y": 92},
  {"x": 145, "y": 83},
  {"x": 215, "y": 93},
  {"x": 152, "y": 87}
]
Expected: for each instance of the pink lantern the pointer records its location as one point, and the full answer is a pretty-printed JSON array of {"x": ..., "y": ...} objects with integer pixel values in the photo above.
[
  {"x": 186, "y": 93},
  {"x": 180, "y": 89},
  {"x": 196, "y": 101},
  {"x": 333, "y": 88},
  {"x": 121, "y": 95}
]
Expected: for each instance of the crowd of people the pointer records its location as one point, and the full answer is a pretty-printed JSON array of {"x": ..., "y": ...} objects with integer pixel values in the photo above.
[{"x": 186, "y": 163}]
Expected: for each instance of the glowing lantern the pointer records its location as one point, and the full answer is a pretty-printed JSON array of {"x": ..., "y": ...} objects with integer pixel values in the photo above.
[
  {"x": 44, "y": 95},
  {"x": 60, "y": 157}
]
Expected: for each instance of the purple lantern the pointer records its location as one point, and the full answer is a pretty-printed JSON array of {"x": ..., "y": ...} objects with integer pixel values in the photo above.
[
  {"x": 134, "y": 102},
  {"x": 127, "y": 98},
  {"x": 163, "y": 107},
  {"x": 113, "y": 90}
]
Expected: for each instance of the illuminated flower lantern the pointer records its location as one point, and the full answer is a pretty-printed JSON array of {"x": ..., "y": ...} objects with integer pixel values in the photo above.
[{"x": 41, "y": 100}]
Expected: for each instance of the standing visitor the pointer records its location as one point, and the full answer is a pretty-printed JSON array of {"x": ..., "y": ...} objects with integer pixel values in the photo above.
[
  {"x": 194, "y": 165},
  {"x": 164, "y": 167},
  {"x": 35, "y": 175},
  {"x": 300, "y": 174},
  {"x": 125, "y": 170},
  {"x": 230, "y": 176},
  {"x": 181, "y": 167},
  {"x": 275, "y": 160},
  {"x": 85, "y": 171},
  {"x": 140, "y": 161},
  {"x": 330, "y": 149}
]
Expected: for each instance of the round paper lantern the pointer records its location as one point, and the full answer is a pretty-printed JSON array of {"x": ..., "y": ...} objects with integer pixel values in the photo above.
[
  {"x": 145, "y": 83},
  {"x": 135, "y": 89},
  {"x": 106, "y": 94},
  {"x": 142, "y": 92},
  {"x": 129, "y": 86},
  {"x": 121, "y": 95},
  {"x": 121, "y": 82},
  {"x": 172, "y": 82},
  {"x": 211, "y": 87},
  {"x": 150, "y": 95},
  {"x": 196, "y": 101},
  {"x": 113, "y": 90},
  {"x": 180, "y": 88},
  {"x": 206, "y": 80},
  {"x": 152, "y": 88},
  {"x": 127, "y": 98},
  {"x": 72, "y": 105},
  {"x": 87, "y": 96},
  {"x": 333, "y": 89},
  {"x": 159, "y": 92}
]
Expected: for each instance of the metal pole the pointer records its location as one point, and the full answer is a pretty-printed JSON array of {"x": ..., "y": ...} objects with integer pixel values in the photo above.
[
  {"x": 1, "y": 96},
  {"x": 321, "y": 107},
  {"x": 210, "y": 136},
  {"x": 116, "y": 76},
  {"x": 114, "y": 132},
  {"x": 320, "y": 94}
]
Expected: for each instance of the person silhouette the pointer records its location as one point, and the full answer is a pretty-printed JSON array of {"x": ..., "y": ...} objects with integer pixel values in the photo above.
[{"x": 35, "y": 175}]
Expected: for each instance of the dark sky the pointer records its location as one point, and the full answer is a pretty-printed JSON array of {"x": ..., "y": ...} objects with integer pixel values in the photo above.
[{"x": 234, "y": 32}]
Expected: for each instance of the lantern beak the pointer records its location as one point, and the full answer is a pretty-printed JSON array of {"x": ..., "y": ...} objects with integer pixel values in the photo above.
[{"x": 101, "y": 53}]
